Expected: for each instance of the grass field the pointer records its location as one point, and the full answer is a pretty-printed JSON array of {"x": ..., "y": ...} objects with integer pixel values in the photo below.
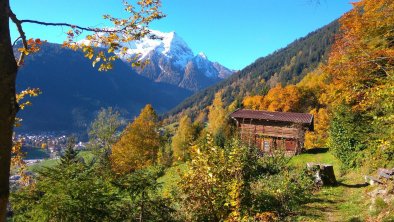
[
  {"x": 86, "y": 155},
  {"x": 348, "y": 201},
  {"x": 171, "y": 178}
]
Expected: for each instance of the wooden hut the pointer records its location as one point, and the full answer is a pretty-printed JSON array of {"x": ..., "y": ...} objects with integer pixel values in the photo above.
[{"x": 273, "y": 130}]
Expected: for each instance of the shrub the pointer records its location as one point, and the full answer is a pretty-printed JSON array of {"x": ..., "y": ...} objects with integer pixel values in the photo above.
[{"x": 283, "y": 192}]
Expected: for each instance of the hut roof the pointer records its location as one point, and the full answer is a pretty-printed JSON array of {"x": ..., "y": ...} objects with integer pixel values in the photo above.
[{"x": 302, "y": 118}]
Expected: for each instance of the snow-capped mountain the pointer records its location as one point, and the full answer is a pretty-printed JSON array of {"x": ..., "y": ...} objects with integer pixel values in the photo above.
[{"x": 172, "y": 61}]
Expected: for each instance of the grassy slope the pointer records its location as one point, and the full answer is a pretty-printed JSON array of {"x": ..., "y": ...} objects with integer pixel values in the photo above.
[
  {"x": 345, "y": 202},
  {"x": 171, "y": 179}
]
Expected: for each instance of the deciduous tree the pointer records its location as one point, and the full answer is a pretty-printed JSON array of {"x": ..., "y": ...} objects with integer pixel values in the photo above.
[
  {"x": 217, "y": 120},
  {"x": 138, "y": 145},
  {"x": 182, "y": 139},
  {"x": 361, "y": 66},
  {"x": 103, "y": 134}
]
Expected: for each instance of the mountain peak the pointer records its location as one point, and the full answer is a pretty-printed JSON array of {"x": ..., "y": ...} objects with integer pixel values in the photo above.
[
  {"x": 169, "y": 57},
  {"x": 202, "y": 55}
]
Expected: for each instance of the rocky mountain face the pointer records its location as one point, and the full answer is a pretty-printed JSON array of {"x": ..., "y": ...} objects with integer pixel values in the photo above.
[{"x": 172, "y": 61}]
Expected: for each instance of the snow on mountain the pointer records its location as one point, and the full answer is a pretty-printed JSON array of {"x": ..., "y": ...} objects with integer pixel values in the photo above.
[
  {"x": 170, "y": 61},
  {"x": 168, "y": 44}
]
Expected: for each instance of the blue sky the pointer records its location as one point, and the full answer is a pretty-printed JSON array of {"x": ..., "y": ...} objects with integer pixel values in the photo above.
[{"x": 232, "y": 32}]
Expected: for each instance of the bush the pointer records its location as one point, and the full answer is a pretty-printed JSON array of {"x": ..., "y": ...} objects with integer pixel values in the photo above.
[
  {"x": 348, "y": 139},
  {"x": 274, "y": 163},
  {"x": 283, "y": 192}
]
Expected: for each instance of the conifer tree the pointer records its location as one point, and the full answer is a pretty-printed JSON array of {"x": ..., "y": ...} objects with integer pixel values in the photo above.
[
  {"x": 70, "y": 154},
  {"x": 139, "y": 144}
]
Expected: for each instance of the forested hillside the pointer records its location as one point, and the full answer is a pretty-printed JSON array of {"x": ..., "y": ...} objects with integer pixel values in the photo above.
[{"x": 287, "y": 65}]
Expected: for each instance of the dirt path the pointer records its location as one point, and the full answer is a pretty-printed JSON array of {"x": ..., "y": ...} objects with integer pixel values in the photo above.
[{"x": 345, "y": 202}]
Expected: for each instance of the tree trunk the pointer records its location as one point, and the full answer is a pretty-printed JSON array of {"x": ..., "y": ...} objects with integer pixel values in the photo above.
[
  {"x": 8, "y": 105},
  {"x": 324, "y": 173}
]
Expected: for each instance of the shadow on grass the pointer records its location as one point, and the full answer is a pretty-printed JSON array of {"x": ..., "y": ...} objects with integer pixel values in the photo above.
[
  {"x": 316, "y": 150},
  {"x": 317, "y": 207},
  {"x": 359, "y": 185},
  {"x": 355, "y": 219}
]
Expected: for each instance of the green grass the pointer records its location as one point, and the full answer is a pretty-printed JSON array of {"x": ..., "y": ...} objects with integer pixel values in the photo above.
[
  {"x": 316, "y": 157},
  {"x": 86, "y": 155},
  {"x": 43, "y": 164},
  {"x": 171, "y": 179},
  {"x": 346, "y": 202}
]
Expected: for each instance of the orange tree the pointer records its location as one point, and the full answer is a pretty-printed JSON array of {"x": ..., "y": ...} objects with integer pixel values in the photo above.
[
  {"x": 110, "y": 39},
  {"x": 361, "y": 66}
]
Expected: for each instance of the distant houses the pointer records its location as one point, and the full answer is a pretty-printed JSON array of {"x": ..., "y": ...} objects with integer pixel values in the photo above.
[{"x": 270, "y": 131}]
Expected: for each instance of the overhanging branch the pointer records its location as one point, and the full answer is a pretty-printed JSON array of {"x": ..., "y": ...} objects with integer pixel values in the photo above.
[{"x": 71, "y": 26}]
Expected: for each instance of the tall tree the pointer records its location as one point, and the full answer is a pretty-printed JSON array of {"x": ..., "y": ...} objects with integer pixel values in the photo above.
[
  {"x": 125, "y": 30},
  {"x": 361, "y": 65},
  {"x": 182, "y": 139},
  {"x": 217, "y": 120},
  {"x": 103, "y": 134},
  {"x": 139, "y": 144}
]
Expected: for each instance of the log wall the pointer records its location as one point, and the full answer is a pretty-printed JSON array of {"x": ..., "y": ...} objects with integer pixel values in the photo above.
[{"x": 273, "y": 136}]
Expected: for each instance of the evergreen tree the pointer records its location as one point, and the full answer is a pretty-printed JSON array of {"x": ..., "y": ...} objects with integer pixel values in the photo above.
[
  {"x": 70, "y": 154},
  {"x": 71, "y": 192}
]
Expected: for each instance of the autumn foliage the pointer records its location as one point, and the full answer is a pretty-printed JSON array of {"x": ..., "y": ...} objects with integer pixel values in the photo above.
[
  {"x": 182, "y": 139},
  {"x": 282, "y": 99},
  {"x": 139, "y": 144}
]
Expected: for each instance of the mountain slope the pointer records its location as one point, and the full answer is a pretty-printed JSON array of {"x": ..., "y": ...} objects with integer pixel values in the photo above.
[
  {"x": 287, "y": 65},
  {"x": 73, "y": 91}
]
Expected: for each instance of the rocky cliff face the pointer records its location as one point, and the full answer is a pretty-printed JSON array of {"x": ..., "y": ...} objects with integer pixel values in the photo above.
[{"x": 172, "y": 61}]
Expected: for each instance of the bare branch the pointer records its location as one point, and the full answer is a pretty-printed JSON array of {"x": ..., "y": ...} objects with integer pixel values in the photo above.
[
  {"x": 72, "y": 26},
  {"x": 16, "y": 40},
  {"x": 21, "y": 33}
]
